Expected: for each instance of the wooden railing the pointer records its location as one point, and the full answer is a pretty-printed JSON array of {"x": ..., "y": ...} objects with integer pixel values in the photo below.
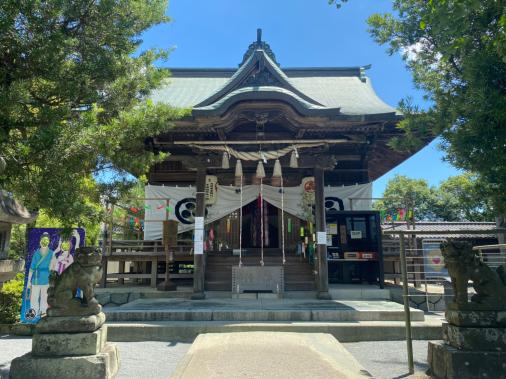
[{"x": 139, "y": 251}]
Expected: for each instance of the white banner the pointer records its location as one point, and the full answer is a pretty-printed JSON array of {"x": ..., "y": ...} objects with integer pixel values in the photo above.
[{"x": 179, "y": 203}]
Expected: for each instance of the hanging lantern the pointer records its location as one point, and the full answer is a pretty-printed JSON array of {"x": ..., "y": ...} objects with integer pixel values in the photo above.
[
  {"x": 238, "y": 173},
  {"x": 293, "y": 160},
  {"x": 276, "y": 174},
  {"x": 225, "y": 163}
]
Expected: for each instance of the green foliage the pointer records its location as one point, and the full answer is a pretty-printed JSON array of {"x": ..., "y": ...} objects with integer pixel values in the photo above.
[
  {"x": 17, "y": 245},
  {"x": 458, "y": 198},
  {"x": 72, "y": 100},
  {"x": 414, "y": 194},
  {"x": 10, "y": 299},
  {"x": 462, "y": 198},
  {"x": 456, "y": 51}
]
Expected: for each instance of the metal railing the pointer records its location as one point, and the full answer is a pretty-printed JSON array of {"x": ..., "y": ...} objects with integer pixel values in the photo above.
[{"x": 414, "y": 269}]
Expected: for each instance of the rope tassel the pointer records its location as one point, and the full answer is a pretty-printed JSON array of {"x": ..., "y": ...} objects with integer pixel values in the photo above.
[
  {"x": 293, "y": 160},
  {"x": 260, "y": 174}
]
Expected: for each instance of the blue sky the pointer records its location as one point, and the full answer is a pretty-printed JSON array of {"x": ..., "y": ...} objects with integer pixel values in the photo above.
[{"x": 302, "y": 33}]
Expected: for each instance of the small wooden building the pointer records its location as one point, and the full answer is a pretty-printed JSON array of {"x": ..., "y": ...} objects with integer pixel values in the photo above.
[{"x": 259, "y": 127}]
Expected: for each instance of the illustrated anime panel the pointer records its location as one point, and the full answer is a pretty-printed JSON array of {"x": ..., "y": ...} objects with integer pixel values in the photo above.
[{"x": 48, "y": 253}]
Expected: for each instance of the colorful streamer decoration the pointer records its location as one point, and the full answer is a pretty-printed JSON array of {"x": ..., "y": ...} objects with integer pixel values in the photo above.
[{"x": 400, "y": 214}]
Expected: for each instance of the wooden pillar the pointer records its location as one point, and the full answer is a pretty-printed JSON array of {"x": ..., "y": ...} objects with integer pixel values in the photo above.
[
  {"x": 322, "y": 284},
  {"x": 198, "y": 259}
]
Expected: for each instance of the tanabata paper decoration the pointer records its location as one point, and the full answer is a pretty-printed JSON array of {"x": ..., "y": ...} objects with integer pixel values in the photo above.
[
  {"x": 302, "y": 231},
  {"x": 147, "y": 206},
  {"x": 289, "y": 225},
  {"x": 160, "y": 206},
  {"x": 399, "y": 214},
  {"x": 133, "y": 209}
]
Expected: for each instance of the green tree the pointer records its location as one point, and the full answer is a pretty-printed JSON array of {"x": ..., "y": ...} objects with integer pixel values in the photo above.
[
  {"x": 461, "y": 198},
  {"x": 72, "y": 90},
  {"x": 413, "y": 194},
  {"x": 456, "y": 51},
  {"x": 458, "y": 198}
]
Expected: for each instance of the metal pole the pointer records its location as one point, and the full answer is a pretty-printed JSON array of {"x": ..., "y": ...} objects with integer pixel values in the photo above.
[{"x": 405, "y": 296}]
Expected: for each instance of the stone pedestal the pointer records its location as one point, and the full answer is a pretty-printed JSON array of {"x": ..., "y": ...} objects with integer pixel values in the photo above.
[
  {"x": 474, "y": 346},
  {"x": 69, "y": 347}
]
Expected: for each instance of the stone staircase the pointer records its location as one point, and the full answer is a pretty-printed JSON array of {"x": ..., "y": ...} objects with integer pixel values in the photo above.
[{"x": 299, "y": 274}]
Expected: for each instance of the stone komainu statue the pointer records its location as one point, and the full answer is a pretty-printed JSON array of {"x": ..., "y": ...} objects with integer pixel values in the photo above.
[
  {"x": 83, "y": 274},
  {"x": 464, "y": 264}
]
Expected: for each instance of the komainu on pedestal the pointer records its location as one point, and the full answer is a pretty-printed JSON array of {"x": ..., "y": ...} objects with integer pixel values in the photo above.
[
  {"x": 71, "y": 341},
  {"x": 474, "y": 336}
]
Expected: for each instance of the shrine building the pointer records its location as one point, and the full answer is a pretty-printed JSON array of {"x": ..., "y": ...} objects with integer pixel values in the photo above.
[{"x": 271, "y": 174}]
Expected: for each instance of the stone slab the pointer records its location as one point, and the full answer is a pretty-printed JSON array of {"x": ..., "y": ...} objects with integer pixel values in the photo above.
[
  {"x": 104, "y": 365},
  {"x": 69, "y": 344},
  {"x": 258, "y": 278},
  {"x": 477, "y": 318},
  {"x": 355, "y": 331},
  {"x": 447, "y": 362},
  {"x": 70, "y": 324},
  {"x": 268, "y": 355},
  {"x": 483, "y": 339}
]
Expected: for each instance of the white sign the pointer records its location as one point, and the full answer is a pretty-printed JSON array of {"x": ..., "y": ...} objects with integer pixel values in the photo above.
[
  {"x": 356, "y": 234},
  {"x": 332, "y": 228},
  {"x": 321, "y": 238},
  {"x": 199, "y": 235},
  {"x": 199, "y": 248},
  {"x": 199, "y": 223}
]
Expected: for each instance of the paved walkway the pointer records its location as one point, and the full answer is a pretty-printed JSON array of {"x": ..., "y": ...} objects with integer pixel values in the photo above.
[{"x": 157, "y": 360}]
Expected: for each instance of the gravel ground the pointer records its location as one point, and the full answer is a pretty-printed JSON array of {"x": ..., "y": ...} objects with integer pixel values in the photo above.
[
  {"x": 157, "y": 360},
  {"x": 389, "y": 359}
]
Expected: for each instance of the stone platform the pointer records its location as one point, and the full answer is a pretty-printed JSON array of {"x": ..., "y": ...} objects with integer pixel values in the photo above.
[
  {"x": 448, "y": 362},
  {"x": 99, "y": 366},
  {"x": 268, "y": 355},
  {"x": 259, "y": 309},
  {"x": 474, "y": 346},
  {"x": 69, "y": 347}
]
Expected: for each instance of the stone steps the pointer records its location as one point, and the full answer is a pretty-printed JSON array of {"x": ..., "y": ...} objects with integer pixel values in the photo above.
[
  {"x": 356, "y": 331},
  {"x": 298, "y": 273},
  {"x": 259, "y": 309}
]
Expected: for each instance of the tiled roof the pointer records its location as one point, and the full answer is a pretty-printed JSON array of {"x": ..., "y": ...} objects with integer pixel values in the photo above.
[
  {"x": 444, "y": 226},
  {"x": 352, "y": 94},
  {"x": 344, "y": 89}
]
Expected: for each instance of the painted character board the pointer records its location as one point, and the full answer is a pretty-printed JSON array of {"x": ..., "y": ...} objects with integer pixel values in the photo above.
[{"x": 47, "y": 252}]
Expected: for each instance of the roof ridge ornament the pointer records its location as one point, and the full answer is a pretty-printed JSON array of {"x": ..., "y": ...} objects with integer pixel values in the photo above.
[{"x": 259, "y": 45}]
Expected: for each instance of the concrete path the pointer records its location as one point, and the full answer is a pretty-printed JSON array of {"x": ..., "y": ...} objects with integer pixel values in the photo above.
[
  {"x": 265, "y": 355},
  {"x": 157, "y": 360}
]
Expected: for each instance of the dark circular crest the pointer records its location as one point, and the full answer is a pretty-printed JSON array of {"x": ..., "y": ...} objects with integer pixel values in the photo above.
[
  {"x": 333, "y": 205},
  {"x": 186, "y": 209}
]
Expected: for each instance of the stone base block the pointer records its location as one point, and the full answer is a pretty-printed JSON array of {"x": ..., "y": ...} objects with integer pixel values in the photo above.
[
  {"x": 446, "y": 362},
  {"x": 70, "y": 324},
  {"x": 483, "y": 339},
  {"x": 104, "y": 365},
  {"x": 477, "y": 319},
  {"x": 65, "y": 344}
]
